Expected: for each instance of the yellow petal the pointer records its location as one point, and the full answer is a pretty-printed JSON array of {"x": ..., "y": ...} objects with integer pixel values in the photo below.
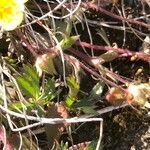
[
  {"x": 11, "y": 14},
  {"x": 25, "y": 1},
  {"x": 11, "y": 24}
]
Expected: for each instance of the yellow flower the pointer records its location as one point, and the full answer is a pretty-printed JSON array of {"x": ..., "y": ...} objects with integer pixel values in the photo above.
[{"x": 11, "y": 14}]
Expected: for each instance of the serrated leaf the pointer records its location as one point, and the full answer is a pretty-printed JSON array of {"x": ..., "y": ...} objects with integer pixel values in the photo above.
[
  {"x": 29, "y": 82},
  {"x": 49, "y": 91},
  {"x": 73, "y": 90},
  {"x": 69, "y": 101},
  {"x": 73, "y": 86},
  {"x": 26, "y": 86},
  {"x": 49, "y": 86},
  {"x": 31, "y": 72}
]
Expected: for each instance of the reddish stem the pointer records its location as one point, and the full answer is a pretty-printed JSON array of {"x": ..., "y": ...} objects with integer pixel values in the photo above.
[
  {"x": 119, "y": 50},
  {"x": 91, "y": 60},
  {"x": 93, "y": 6},
  {"x": 26, "y": 43},
  {"x": 101, "y": 78}
]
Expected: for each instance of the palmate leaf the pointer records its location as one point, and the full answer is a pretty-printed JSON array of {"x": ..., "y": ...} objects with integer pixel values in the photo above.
[
  {"x": 49, "y": 91},
  {"x": 31, "y": 72},
  {"x": 26, "y": 86},
  {"x": 29, "y": 82}
]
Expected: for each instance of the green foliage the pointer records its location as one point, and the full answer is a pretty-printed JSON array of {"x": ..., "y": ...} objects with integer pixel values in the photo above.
[
  {"x": 29, "y": 82},
  {"x": 10, "y": 60},
  {"x": 64, "y": 27},
  {"x": 103, "y": 35},
  {"x": 73, "y": 90},
  {"x": 68, "y": 41},
  {"x": 18, "y": 105},
  {"x": 30, "y": 86},
  {"x": 49, "y": 90},
  {"x": 97, "y": 90},
  {"x": 1, "y": 92},
  {"x": 89, "y": 110},
  {"x": 85, "y": 106},
  {"x": 92, "y": 145},
  {"x": 62, "y": 146},
  {"x": 110, "y": 55}
]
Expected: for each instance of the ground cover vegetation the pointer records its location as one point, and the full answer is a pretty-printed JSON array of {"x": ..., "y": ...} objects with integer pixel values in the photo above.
[{"x": 74, "y": 74}]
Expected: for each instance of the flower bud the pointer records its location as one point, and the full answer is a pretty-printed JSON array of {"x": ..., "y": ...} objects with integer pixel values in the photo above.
[
  {"x": 115, "y": 96},
  {"x": 45, "y": 63}
]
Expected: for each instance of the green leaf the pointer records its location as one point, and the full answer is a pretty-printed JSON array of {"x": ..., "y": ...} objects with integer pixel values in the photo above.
[
  {"x": 67, "y": 41},
  {"x": 18, "y": 105},
  {"x": 69, "y": 101},
  {"x": 63, "y": 26},
  {"x": 10, "y": 60},
  {"x": 29, "y": 82},
  {"x": 83, "y": 103},
  {"x": 86, "y": 106},
  {"x": 92, "y": 145},
  {"x": 73, "y": 90},
  {"x": 104, "y": 36},
  {"x": 31, "y": 72},
  {"x": 62, "y": 146},
  {"x": 97, "y": 90},
  {"x": 88, "y": 110},
  {"x": 73, "y": 86},
  {"x": 49, "y": 91},
  {"x": 26, "y": 86},
  {"x": 50, "y": 86}
]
